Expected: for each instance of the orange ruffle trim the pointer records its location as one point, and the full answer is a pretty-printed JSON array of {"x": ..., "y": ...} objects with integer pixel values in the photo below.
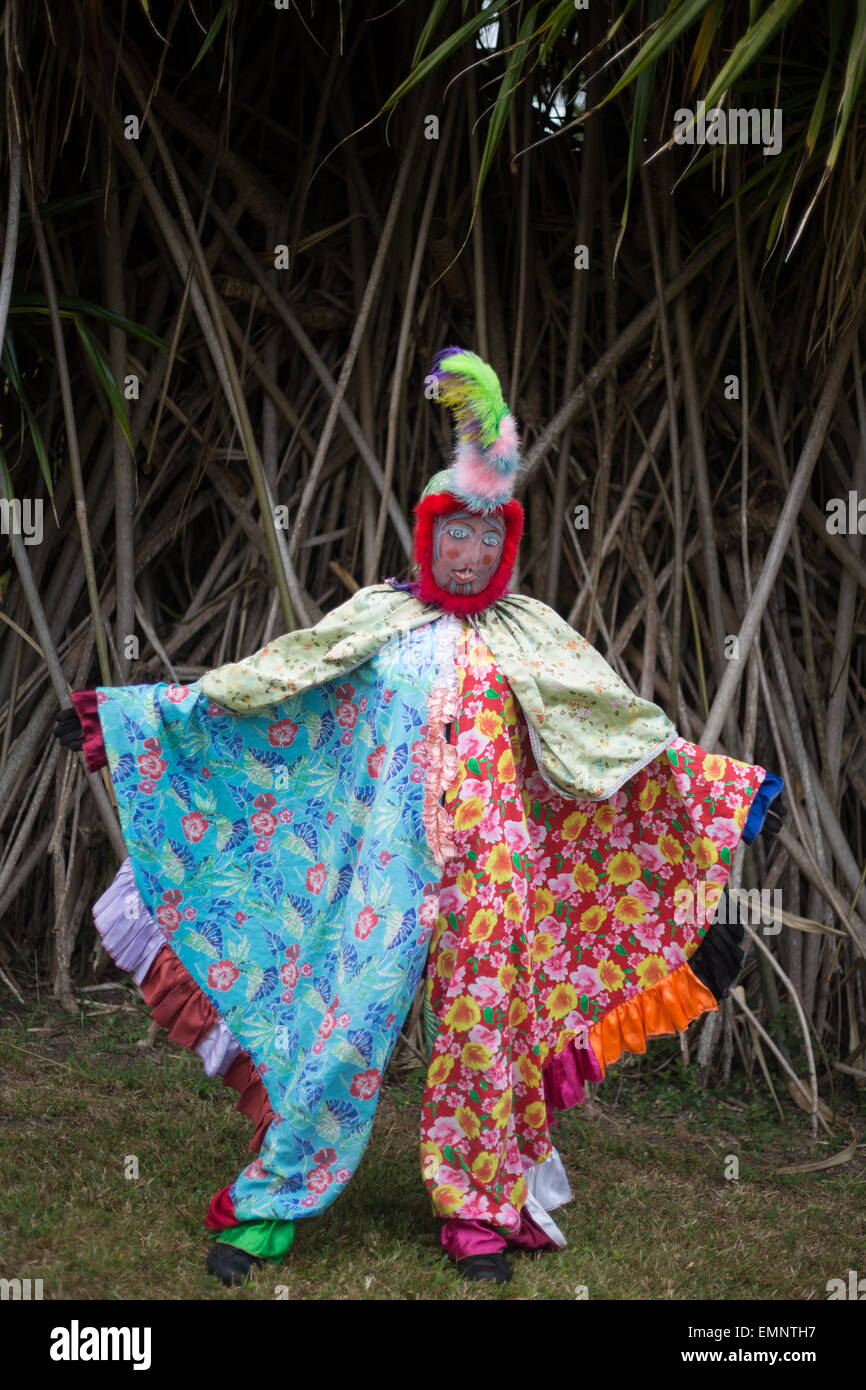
[
  {"x": 177, "y": 1003},
  {"x": 666, "y": 1007}
]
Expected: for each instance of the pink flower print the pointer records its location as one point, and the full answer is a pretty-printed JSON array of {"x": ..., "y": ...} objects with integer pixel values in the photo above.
[
  {"x": 101, "y": 697},
  {"x": 472, "y": 744},
  {"x": 176, "y": 693},
  {"x": 486, "y": 993},
  {"x": 486, "y": 1036},
  {"x": 265, "y": 801},
  {"x": 256, "y": 1170},
  {"x": 342, "y": 1175},
  {"x": 318, "y": 1047},
  {"x": 205, "y": 772},
  {"x": 309, "y": 1200},
  {"x": 420, "y": 754},
  {"x": 450, "y": 900},
  {"x": 344, "y": 693},
  {"x": 286, "y": 817},
  {"x": 367, "y": 920},
  {"x": 240, "y": 917},
  {"x": 194, "y": 826},
  {"x": 347, "y": 716},
  {"x": 387, "y": 697},
  {"x": 517, "y": 836},
  {"x": 649, "y": 933},
  {"x": 346, "y": 737},
  {"x": 362, "y": 703},
  {"x": 262, "y": 844},
  {"x": 189, "y": 914},
  {"x": 317, "y": 877},
  {"x": 222, "y": 975},
  {"x": 586, "y": 981},
  {"x": 329, "y": 817},
  {"x": 562, "y": 886},
  {"x": 306, "y": 968},
  {"x": 326, "y": 1027},
  {"x": 475, "y": 786},
  {"x": 325, "y": 1156},
  {"x": 287, "y": 996},
  {"x": 344, "y": 1020},
  {"x": 389, "y": 1020},
  {"x": 282, "y": 733},
  {"x": 375, "y": 760},
  {"x": 364, "y": 1084},
  {"x": 168, "y": 917},
  {"x": 214, "y": 711},
  {"x": 151, "y": 765},
  {"x": 289, "y": 975},
  {"x": 385, "y": 858},
  {"x": 428, "y": 911},
  {"x": 292, "y": 952},
  {"x": 263, "y": 823},
  {"x": 640, "y": 889}
]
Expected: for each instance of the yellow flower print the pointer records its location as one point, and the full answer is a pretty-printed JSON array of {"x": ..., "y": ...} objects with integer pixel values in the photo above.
[
  {"x": 741, "y": 815},
  {"x": 445, "y": 964},
  {"x": 623, "y": 867},
  {"x": 466, "y": 883},
  {"x": 712, "y": 893},
  {"x": 498, "y": 864},
  {"x": 476, "y": 1056},
  {"x": 513, "y": 908},
  {"x": 482, "y": 924},
  {"x": 543, "y": 903},
  {"x": 561, "y": 1000},
  {"x": 501, "y": 1110},
  {"x": 649, "y": 795},
  {"x": 714, "y": 767},
  {"x": 651, "y": 970},
  {"x": 517, "y": 1195},
  {"x": 508, "y": 710},
  {"x": 573, "y": 825},
  {"x": 485, "y": 1167},
  {"x": 670, "y": 849},
  {"x": 517, "y": 1013},
  {"x": 689, "y": 948},
  {"x": 463, "y": 1014},
  {"x": 468, "y": 1121},
  {"x": 454, "y": 787},
  {"x": 469, "y": 813},
  {"x": 593, "y": 919},
  {"x": 543, "y": 946},
  {"x": 505, "y": 769},
  {"x": 506, "y": 976},
  {"x": 439, "y": 1070},
  {"x": 704, "y": 851},
  {"x": 489, "y": 724},
  {"x": 447, "y": 1198},
  {"x": 431, "y": 1158},
  {"x": 630, "y": 909},
  {"x": 479, "y": 655},
  {"x": 585, "y": 877},
  {"x": 605, "y": 817},
  {"x": 611, "y": 977},
  {"x": 536, "y": 1114},
  {"x": 529, "y": 1071}
]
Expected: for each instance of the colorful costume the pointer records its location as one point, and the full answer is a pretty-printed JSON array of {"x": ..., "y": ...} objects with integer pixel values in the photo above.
[{"x": 437, "y": 773}]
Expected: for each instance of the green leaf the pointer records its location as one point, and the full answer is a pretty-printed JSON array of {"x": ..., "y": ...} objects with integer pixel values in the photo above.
[
  {"x": 583, "y": 1001},
  {"x": 212, "y": 33},
  {"x": 106, "y": 378},
  {"x": 487, "y": 1015},
  {"x": 444, "y": 51},
  {"x": 474, "y": 766}
]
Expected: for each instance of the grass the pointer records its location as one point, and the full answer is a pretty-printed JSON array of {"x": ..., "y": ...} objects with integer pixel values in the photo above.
[{"x": 653, "y": 1215}]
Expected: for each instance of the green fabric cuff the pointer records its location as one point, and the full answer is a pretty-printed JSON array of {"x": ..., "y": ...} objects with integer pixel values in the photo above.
[{"x": 268, "y": 1240}]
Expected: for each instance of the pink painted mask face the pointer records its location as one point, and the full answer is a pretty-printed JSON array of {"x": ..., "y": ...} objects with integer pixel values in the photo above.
[{"x": 467, "y": 549}]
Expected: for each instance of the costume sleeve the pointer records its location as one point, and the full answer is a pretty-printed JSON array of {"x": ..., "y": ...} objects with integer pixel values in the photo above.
[
  {"x": 86, "y": 708},
  {"x": 342, "y": 640},
  {"x": 589, "y": 732},
  {"x": 767, "y": 792}
]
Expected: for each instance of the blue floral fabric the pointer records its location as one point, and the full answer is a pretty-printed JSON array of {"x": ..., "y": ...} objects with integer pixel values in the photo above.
[{"x": 262, "y": 846}]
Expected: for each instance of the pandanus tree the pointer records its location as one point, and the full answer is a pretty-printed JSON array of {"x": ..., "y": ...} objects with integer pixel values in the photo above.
[{"x": 233, "y": 237}]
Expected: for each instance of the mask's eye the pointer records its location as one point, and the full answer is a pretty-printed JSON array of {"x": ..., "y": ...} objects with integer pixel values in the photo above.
[
  {"x": 493, "y": 539},
  {"x": 458, "y": 533}
]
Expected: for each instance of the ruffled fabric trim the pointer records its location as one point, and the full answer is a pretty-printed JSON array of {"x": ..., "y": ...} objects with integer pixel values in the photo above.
[
  {"x": 136, "y": 944},
  {"x": 665, "y": 1007},
  {"x": 440, "y": 757},
  {"x": 566, "y": 1072},
  {"x": 86, "y": 707}
]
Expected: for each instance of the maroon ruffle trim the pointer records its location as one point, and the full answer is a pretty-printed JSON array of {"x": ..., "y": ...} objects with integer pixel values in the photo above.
[
  {"x": 177, "y": 1003},
  {"x": 85, "y": 703}
]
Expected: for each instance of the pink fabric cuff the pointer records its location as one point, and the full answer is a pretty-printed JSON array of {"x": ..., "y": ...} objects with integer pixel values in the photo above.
[
  {"x": 462, "y": 1238},
  {"x": 94, "y": 745}
]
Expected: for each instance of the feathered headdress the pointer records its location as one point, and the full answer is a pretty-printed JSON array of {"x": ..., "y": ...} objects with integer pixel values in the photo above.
[{"x": 487, "y": 445}]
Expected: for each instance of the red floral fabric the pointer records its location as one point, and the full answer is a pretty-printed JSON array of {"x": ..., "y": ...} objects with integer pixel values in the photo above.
[{"x": 554, "y": 914}]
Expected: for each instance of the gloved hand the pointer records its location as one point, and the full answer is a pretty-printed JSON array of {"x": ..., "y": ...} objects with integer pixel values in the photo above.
[
  {"x": 774, "y": 817},
  {"x": 67, "y": 728}
]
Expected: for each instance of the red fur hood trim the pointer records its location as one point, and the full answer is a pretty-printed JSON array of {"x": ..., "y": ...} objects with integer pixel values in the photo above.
[{"x": 425, "y": 588}]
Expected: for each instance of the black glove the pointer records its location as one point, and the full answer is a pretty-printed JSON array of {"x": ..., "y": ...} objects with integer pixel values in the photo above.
[
  {"x": 67, "y": 728},
  {"x": 773, "y": 818}
]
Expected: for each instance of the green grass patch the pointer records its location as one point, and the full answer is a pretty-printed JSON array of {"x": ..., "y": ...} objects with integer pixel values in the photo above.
[{"x": 653, "y": 1215}]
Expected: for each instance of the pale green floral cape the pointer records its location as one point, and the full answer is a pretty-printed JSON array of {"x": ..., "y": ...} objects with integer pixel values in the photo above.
[{"x": 589, "y": 732}]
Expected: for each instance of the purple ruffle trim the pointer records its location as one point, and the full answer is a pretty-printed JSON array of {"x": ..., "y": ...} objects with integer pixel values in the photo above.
[
  {"x": 133, "y": 940},
  {"x": 565, "y": 1074}
]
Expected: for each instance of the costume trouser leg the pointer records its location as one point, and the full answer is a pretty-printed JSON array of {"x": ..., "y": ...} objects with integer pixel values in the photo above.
[{"x": 266, "y": 1240}]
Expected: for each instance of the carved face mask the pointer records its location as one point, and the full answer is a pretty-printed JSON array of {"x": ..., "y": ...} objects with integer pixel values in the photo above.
[{"x": 467, "y": 549}]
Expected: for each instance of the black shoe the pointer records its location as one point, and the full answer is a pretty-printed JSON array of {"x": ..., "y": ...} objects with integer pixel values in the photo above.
[
  {"x": 229, "y": 1263},
  {"x": 493, "y": 1267}
]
